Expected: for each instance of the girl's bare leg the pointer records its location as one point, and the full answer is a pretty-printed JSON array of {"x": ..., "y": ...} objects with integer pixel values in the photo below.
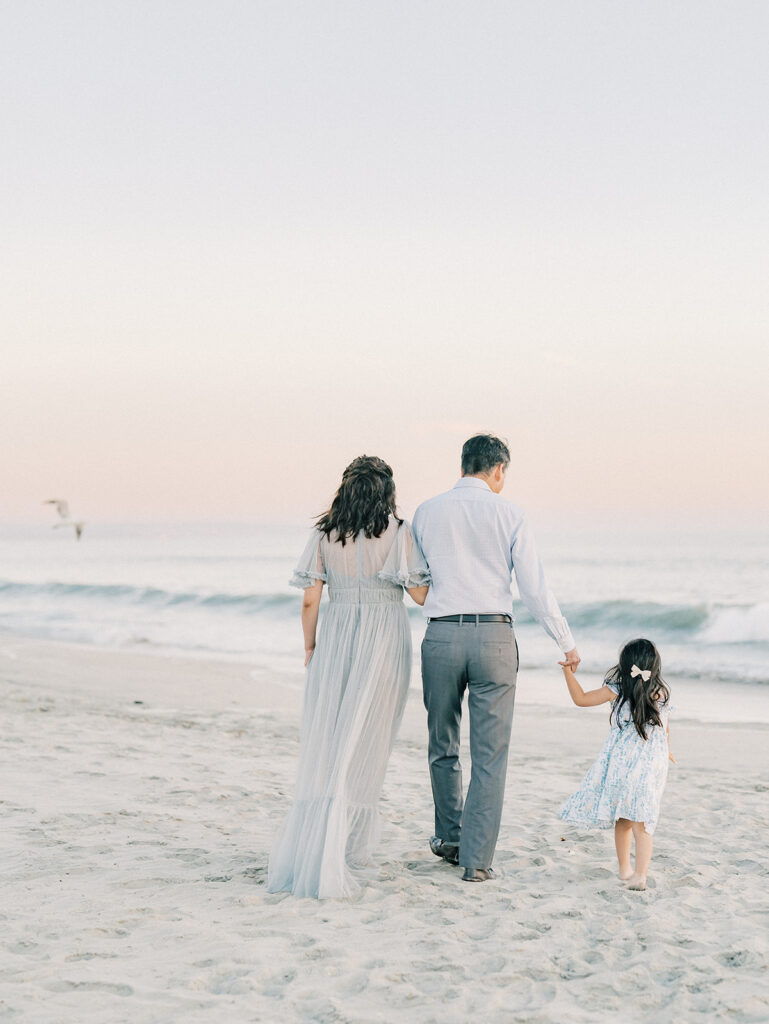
[
  {"x": 644, "y": 844},
  {"x": 623, "y": 840}
]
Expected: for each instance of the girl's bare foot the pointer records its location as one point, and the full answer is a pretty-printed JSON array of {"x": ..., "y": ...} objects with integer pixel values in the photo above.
[
  {"x": 625, "y": 873},
  {"x": 636, "y": 882}
]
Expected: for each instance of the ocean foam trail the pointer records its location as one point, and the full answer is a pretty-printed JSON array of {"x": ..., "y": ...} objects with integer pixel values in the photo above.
[
  {"x": 150, "y": 596},
  {"x": 646, "y": 614},
  {"x": 740, "y": 624}
]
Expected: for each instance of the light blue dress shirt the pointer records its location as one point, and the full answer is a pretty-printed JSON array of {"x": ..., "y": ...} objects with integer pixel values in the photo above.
[{"x": 473, "y": 541}]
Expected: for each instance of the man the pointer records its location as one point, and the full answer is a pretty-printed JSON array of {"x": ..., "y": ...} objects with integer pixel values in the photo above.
[{"x": 474, "y": 541}]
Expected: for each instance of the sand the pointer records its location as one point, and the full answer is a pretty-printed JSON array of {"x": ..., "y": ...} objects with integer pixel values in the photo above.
[{"x": 135, "y": 844}]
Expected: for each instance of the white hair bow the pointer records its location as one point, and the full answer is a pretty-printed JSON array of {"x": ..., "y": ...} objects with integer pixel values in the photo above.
[{"x": 645, "y": 674}]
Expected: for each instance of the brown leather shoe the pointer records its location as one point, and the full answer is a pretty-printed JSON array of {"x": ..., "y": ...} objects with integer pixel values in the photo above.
[{"x": 478, "y": 875}]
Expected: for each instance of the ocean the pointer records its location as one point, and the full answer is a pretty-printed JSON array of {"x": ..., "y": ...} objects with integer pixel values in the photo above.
[{"x": 701, "y": 593}]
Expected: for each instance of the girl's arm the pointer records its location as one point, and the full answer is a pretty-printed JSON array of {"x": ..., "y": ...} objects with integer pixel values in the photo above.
[
  {"x": 310, "y": 608},
  {"x": 670, "y": 755},
  {"x": 582, "y": 698}
]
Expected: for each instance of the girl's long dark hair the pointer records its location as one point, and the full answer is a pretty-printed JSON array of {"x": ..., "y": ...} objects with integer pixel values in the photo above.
[
  {"x": 643, "y": 698},
  {"x": 365, "y": 500}
]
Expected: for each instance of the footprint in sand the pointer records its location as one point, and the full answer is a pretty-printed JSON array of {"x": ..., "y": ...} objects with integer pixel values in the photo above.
[
  {"x": 90, "y": 986},
  {"x": 276, "y": 985},
  {"x": 753, "y": 866},
  {"x": 592, "y": 956},
  {"x": 493, "y": 964},
  {"x": 357, "y": 983},
  {"x": 424, "y": 867},
  {"x": 189, "y": 856},
  {"x": 594, "y": 873},
  {"x": 258, "y": 874},
  {"x": 75, "y": 957},
  {"x": 326, "y": 1013},
  {"x": 25, "y": 947},
  {"x": 690, "y": 882},
  {"x": 232, "y": 983},
  {"x": 316, "y": 954},
  {"x": 736, "y": 958}
]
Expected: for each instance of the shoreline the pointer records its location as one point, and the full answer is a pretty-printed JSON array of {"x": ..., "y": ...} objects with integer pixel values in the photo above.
[
  {"x": 173, "y": 681},
  {"x": 238, "y": 672}
]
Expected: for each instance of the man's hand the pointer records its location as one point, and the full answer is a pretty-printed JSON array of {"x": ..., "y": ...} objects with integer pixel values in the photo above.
[{"x": 571, "y": 659}]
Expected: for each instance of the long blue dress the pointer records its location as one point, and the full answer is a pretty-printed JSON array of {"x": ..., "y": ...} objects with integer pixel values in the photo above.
[
  {"x": 627, "y": 778},
  {"x": 356, "y": 689}
]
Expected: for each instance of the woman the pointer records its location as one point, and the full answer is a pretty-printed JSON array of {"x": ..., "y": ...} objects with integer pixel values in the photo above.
[{"x": 357, "y": 681}]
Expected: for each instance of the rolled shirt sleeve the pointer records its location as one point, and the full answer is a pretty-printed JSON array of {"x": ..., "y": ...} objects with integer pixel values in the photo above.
[{"x": 533, "y": 588}]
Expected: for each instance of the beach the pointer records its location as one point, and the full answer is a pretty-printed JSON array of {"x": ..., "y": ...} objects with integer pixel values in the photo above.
[
  {"x": 140, "y": 794},
  {"x": 280, "y": 267}
]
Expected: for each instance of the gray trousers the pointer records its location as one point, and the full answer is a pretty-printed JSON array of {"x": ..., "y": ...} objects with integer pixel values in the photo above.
[{"x": 481, "y": 658}]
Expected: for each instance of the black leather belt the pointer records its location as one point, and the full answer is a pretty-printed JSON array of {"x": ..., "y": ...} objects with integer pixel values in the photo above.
[{"x": 471, "y": 619}]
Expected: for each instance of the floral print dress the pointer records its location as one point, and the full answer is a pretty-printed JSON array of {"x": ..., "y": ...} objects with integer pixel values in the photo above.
[{"x": 627, "y": 778}]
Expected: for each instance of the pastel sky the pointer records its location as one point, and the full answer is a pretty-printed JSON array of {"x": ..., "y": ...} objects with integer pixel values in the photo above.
[{"x": 244, "y": 242}]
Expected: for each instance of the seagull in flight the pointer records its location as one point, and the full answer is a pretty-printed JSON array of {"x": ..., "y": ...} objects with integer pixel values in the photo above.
[{"x": 62, "y": 506}]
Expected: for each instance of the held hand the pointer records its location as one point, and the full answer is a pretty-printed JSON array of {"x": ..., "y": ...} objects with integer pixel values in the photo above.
[
  {"x": 307, "y": 655},
  {"x": 571, "y": 659},
  {"x": 672, "y": 758}
]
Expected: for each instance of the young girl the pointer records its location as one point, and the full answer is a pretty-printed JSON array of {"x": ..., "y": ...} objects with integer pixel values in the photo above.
[{"x": 624, "y": 786}]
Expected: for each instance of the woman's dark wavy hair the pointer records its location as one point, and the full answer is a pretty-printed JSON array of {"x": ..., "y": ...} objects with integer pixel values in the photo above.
[
  {"x": 642, "y": 698},
  {"x": 365, "y": 501}
]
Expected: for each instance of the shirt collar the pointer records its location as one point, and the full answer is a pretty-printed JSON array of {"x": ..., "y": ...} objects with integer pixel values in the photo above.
[{"x": 473, "y": 481}]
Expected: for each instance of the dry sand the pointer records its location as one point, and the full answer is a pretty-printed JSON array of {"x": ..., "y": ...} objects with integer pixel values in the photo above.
[{"x": 135, "y": 845}]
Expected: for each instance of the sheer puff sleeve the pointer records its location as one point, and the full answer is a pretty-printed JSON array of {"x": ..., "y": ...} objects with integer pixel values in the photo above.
[
  {"x": 405, "y": 564},
  {"x": 310, "y": 566}
]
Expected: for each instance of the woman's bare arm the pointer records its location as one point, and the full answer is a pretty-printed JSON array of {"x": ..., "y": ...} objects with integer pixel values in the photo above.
[
  {"x": 310, "y": 608},
  {"x": 418, "y": 594}
]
